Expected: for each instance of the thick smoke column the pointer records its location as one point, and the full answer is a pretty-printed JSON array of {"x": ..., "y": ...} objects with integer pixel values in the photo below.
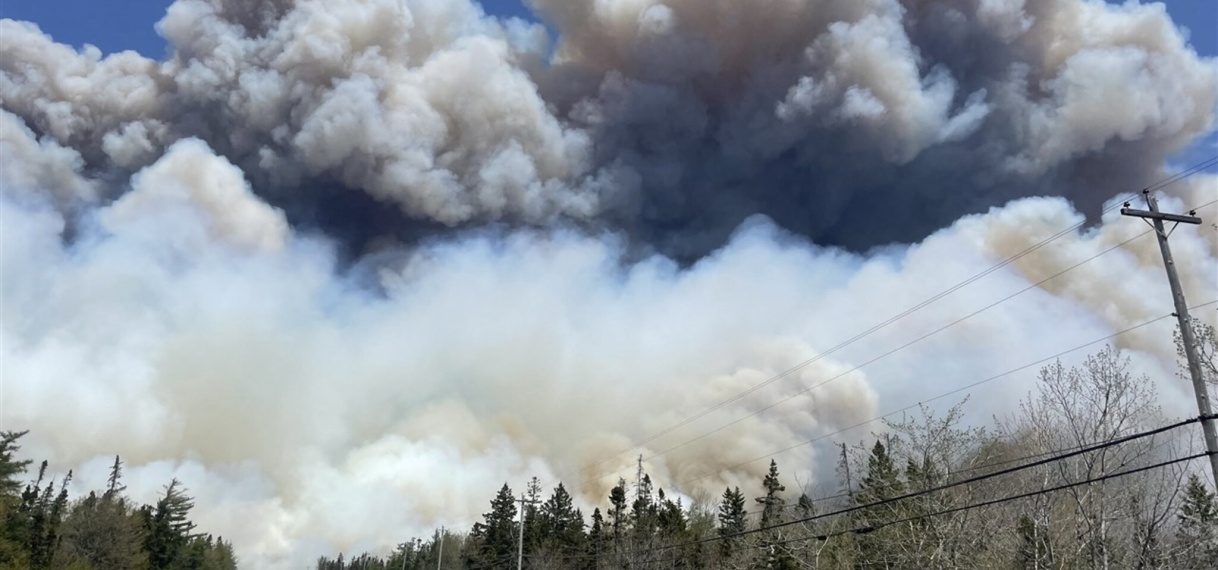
[{"x": 345, "y": 267}]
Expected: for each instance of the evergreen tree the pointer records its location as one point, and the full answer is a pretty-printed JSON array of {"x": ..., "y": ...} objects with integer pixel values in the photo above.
[
  {"x": 1197, "y": 534},
  {"x": 732, "y": 520},
  {"x": 14, "y": 520},
  {"x": 167, "y": 528},
  {"x": 1035, "y": 548},
  {"x": 498, "y": 533},
  {"x": 617, "y": 513},
  {"x": 671, "y": 517},
  {"x": 805, "y": 508},
  {"x": 597, "y": 539},
  {"x": 643, "y": 513},
  {"x": 561, "y": 523},
  {"x": 114, "y": 484},
  {"x": 534, "y": 534},
  {"x": 771, "y": 503},
  {"x": 10, "y": 468},
  {"x": 882, "y": 481}
]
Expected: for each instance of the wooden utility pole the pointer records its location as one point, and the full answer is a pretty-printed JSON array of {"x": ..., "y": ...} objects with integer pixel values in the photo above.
[
  {"x": 440, "y": 558},
  {"x": 1156, "y": 219},
  {"x": 520, "y": 545}
]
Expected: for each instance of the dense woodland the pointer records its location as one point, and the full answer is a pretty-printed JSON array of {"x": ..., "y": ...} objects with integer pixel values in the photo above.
[
  {"x": 1116, "y": 503},
  {"x": 42, "y": 528}
]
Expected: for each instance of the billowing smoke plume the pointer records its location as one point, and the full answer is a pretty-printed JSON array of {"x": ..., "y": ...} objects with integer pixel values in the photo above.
[
  {"x": 345, "y": 267},
  {"x": 670, "y": 120}
]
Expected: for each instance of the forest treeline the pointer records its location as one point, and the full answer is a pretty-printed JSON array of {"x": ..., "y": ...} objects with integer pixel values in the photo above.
[
  {"x": 42, "y": 528},
  {"x": 1123, "y": 499}
]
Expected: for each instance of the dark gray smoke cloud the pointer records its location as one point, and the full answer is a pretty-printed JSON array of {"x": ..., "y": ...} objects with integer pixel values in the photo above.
[{"x": 855, "y": 123}]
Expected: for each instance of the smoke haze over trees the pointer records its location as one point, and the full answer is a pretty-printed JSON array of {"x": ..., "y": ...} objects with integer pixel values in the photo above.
[
  {"x": 343, "y": 268},
  {"x": 1107, "y": 505}
]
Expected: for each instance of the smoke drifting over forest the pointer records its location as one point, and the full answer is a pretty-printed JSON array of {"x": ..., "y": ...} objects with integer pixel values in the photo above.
[{"x": 345, "y": 267}]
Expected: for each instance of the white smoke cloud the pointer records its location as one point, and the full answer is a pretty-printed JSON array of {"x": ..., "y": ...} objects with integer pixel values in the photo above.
[{"x": 161, "y": 303}]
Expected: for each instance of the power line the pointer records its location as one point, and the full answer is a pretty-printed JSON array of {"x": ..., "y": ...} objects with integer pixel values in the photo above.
[
  {"x": 824, "y": 498},
  {"x": 940, "y": 396},
  {"x": 1100, "y": 479},
  {"x": 968, "y": 481},
  {"x": 1116, "y": 205},
  {"x": 902, "y": 347}
]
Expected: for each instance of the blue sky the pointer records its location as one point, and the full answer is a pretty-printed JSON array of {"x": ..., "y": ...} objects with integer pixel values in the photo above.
[
  {"x": 128, "y": 24},
  {"x": 118, "y": 25}
]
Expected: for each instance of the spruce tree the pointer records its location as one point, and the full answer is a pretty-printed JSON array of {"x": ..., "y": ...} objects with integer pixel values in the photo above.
[
  {"x": 617, "y": 512},
  {"x": 597, "y": 539},
  {"x": 732, "y": 520},
  {"x": 114, "y": 484},
  {"x": 168, "y": 528},
  {"x": 771, "y": 503},
  {"x": 882, "y": 481},
  {"x": 10, "y": 468},
  {"x": 499, "y": 531},
  {"x": 561, "y": 523}
]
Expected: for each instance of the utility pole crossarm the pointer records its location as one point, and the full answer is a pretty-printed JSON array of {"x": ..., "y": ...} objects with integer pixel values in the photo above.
[{"x": 1160, "y": 216}]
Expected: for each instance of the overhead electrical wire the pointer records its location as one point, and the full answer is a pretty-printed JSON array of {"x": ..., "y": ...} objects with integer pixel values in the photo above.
[
  {"x": 969, "y": 481},
  {"x": 904, "y": 346},
  {"x": 941, "y": 396},
  {"x": 866, "y": 529},
  {"x": 1116, "y": 204}
]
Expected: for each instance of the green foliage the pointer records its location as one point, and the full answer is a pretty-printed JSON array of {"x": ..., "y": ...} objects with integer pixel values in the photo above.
[
  {"x": 772, "y": 502},
  {"x": 561, "y": 524},
  {"x": 10, "y": 467},
  {"x": 167, "y": 529},
  {"x": 732, "y": 520},
  {"x": 103, "y": 532},
  {"x": 617, "y": 513},
  {"x": 494, "y": 540},
  {"x": 41, "y": 528}
]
